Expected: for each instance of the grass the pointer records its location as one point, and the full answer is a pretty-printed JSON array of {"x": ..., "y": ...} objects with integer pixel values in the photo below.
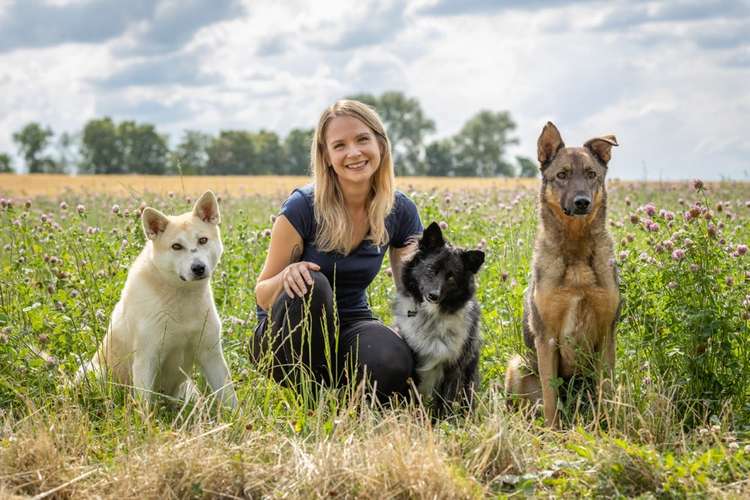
[{"x": 677, "y": 425}]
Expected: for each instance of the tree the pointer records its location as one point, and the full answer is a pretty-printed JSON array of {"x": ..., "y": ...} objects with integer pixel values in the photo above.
[
  {"x": 297, "y": 151},
  {"x": 231, "y": 153},
  {"x": 143, "y": 150},
  {"x": 269, "y": 153},
  {"x": 32, "y": 140},
  {"x": 526, "y": 167},
  {"x": 190, "y": 157},
  {"x": 407, "y": 127},
  {"x": 481, "y": 145},
  {"x": 439, "y": 158},
  {"x": 67, "y": 152},
  {"x": 100, "y": 148},
  {"x": 6, "y": 162}
]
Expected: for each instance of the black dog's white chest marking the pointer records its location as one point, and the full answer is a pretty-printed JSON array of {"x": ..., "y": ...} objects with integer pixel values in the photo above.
[{"x": 437, "y": 338}]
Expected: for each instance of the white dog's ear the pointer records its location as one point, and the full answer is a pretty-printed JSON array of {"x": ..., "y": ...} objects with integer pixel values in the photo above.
[
  {"x": 154, "y": 222},
  {"x": 207, "y": 208}
]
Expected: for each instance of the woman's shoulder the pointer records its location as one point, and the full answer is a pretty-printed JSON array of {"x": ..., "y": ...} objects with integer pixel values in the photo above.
[{"x": 402, "y": 203}]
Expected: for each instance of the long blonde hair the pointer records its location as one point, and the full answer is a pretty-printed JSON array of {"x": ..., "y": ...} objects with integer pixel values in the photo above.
[{"x": 335, "y": 227}]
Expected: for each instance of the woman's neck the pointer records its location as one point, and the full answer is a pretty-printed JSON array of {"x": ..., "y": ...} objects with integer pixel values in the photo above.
[{"x": 355, "y": 198}]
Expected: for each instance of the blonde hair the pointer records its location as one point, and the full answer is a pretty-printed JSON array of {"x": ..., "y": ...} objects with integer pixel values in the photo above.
[{"x": 335, "y": 227}]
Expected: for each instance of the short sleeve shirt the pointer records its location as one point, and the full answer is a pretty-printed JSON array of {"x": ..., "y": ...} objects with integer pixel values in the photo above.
[{"x": 349, "y": 275}]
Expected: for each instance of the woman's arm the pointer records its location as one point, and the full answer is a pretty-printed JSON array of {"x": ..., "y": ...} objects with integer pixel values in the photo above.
[
  {"x": 398, "y": 256},
  {"x": 282, "y": 271}
]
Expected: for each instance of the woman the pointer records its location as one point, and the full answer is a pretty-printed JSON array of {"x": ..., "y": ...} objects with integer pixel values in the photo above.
[{"x": 327, "y": 245}]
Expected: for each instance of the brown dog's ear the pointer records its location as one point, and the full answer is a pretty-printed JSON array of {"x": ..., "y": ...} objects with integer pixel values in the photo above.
[
  {"x": 549, "y": 144},
  {"x": 602, "y": 147},
  {"x": 207, "y": 208},
  {"x": 154, "y": 222}
]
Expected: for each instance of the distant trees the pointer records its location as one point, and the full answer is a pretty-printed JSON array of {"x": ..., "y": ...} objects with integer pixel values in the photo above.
[
  {"x": 6, "y": 165},
  {"x": 109, "y": 148},
  {"x": 297, "y": 151},
  {"x": 103, "y": 146},
  {"x": 32, "y": 141}
]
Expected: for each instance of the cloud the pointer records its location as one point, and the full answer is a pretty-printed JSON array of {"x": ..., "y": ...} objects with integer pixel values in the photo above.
[
  {"x": 35, "y": 23},
  {"x": 175, "y": 22},
  {"x": 471, "y": 7},
  {"x": 153, "y": 26},
  {"x": 625, "y": 15},
  {"x": 372, "y": 24},
  {"x": 173, "y": 69}
]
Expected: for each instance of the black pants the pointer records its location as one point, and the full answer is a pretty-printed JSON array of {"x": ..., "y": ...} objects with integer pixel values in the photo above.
[{"x": 303, "y": 337}]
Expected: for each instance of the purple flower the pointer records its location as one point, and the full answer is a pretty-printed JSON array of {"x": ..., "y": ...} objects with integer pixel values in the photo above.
[
  {"x": 115, "y": 209},
  {"x": 650, "y": 209},
  {"x": 678, "y": 254},
  {"x": 653, "y": 227},
  {"x": 742, "y": 249},
  {"x": 80, "y": 208},
  {"x": 697, "y": 184},
  {"x": 63, "y": 205},
  {"x": 443, "y": 225}
]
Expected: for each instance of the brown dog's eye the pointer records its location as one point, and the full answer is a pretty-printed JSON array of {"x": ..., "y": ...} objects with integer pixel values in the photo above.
[
  {"x": 202, "y": 240},
  {"x": 176, "y": 246},
  {"x": 591, "y": 174},
  {"x": 562, "y": 174}
]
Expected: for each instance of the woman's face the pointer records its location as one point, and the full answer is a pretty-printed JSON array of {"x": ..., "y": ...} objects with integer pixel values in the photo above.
[{"x": 353, "y": 150}]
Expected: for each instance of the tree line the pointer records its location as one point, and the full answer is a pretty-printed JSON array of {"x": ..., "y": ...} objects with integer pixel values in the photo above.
[{"x": 479, "y": 149}]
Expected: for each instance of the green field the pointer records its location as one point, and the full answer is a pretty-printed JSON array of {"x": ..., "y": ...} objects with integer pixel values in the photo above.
[{"x": 678, "y": 423}]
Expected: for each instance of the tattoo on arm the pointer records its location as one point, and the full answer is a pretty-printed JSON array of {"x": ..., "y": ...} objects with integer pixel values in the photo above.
[{"x": 296, "y": 253}]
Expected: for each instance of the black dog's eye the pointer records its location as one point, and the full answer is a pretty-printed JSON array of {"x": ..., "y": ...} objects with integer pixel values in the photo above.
[
  {"x": 450, "y": 278},
  {"x": 176, "y": 246},
  {"x": 562, "y": 174},
  {"x": 590, "y": 174},
  {"x": 202, "y": 240}
]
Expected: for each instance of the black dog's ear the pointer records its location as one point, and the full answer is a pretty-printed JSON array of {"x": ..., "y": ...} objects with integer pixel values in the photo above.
[
  {"x": 549, "y": 143},
  {"x": 473, "y": 260},
  {"x": 432, "y": 238},
  {"x": 602, "y": 147}
]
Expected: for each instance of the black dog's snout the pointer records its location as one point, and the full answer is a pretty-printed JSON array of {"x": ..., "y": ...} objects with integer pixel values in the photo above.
[
  {"x": 582, "y": 203},
  {"x": 198, "y": 268},
  {"x": 433, "y": 296}
]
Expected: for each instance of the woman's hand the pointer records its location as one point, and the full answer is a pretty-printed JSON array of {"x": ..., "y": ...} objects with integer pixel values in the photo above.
[{"x": 296, "y": 278}]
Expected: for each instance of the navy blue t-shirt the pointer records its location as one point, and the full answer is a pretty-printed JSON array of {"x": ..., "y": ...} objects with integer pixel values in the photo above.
[{"x": 349, "y": 275}]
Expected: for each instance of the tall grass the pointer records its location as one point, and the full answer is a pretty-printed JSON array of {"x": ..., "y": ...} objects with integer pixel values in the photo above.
[{"x": 676, "y": 423}]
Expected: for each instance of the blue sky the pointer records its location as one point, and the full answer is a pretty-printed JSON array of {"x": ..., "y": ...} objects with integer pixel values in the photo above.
[{"x": 671, "y": 79}]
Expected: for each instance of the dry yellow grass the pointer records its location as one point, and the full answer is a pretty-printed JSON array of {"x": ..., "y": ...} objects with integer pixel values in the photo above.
[{"x": 52, "y": 185}]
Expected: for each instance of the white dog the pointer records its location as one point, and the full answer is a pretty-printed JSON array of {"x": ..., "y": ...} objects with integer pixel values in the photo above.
[{"x": 166, "y": 319}]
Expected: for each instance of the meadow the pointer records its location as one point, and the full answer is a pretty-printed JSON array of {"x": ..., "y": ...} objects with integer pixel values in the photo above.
[{"x": 676, "y": 425}]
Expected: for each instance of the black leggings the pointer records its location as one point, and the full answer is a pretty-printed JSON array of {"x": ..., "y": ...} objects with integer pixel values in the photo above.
[{"x": 304, "y": 338}]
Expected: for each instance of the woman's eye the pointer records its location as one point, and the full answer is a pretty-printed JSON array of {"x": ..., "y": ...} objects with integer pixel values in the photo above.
[
  {"x": 176, "y": 246},
  {"x": 202, "y": 240},
  {"x": 338, "y": 146},
  {"x": 364, "y": 139},
  {"x": 562, "y": 174}
]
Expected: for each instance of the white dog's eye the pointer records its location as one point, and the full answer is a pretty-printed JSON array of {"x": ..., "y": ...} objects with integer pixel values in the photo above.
[
  {"x": 176, "y": 246},
  {"x": 202, "y": 240}
]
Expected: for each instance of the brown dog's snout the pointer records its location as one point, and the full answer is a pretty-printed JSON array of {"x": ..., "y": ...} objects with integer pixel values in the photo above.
[{"x": 581, "y": 203}]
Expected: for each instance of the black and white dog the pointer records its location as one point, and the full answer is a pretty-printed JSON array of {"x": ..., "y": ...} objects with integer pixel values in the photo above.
[{"x": 439, "y": 318}]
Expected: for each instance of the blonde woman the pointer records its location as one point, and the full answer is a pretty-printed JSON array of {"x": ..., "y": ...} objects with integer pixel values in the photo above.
[{"x": 327, "y": 245}]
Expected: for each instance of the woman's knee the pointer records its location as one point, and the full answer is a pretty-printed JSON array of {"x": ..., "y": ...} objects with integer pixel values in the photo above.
[{"x": 387, "y": 360}]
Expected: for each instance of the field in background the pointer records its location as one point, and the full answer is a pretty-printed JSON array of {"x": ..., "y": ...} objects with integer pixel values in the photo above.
[
  {"x": 52, "y": 185},
  {"x": 677, "y": 424}
]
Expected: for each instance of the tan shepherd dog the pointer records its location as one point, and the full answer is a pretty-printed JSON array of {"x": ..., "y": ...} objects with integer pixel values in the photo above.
[{"x": 573, "y": 299}]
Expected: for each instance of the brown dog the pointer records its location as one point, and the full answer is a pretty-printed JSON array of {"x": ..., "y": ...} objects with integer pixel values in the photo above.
[{"x": 573, "y": 298}]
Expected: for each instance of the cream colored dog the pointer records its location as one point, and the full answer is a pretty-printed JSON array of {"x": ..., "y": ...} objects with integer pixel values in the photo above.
[{"x": 166, "y": 319}]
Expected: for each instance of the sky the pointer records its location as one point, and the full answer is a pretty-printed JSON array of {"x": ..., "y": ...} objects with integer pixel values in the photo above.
[{"x": 671, "y": 79}]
